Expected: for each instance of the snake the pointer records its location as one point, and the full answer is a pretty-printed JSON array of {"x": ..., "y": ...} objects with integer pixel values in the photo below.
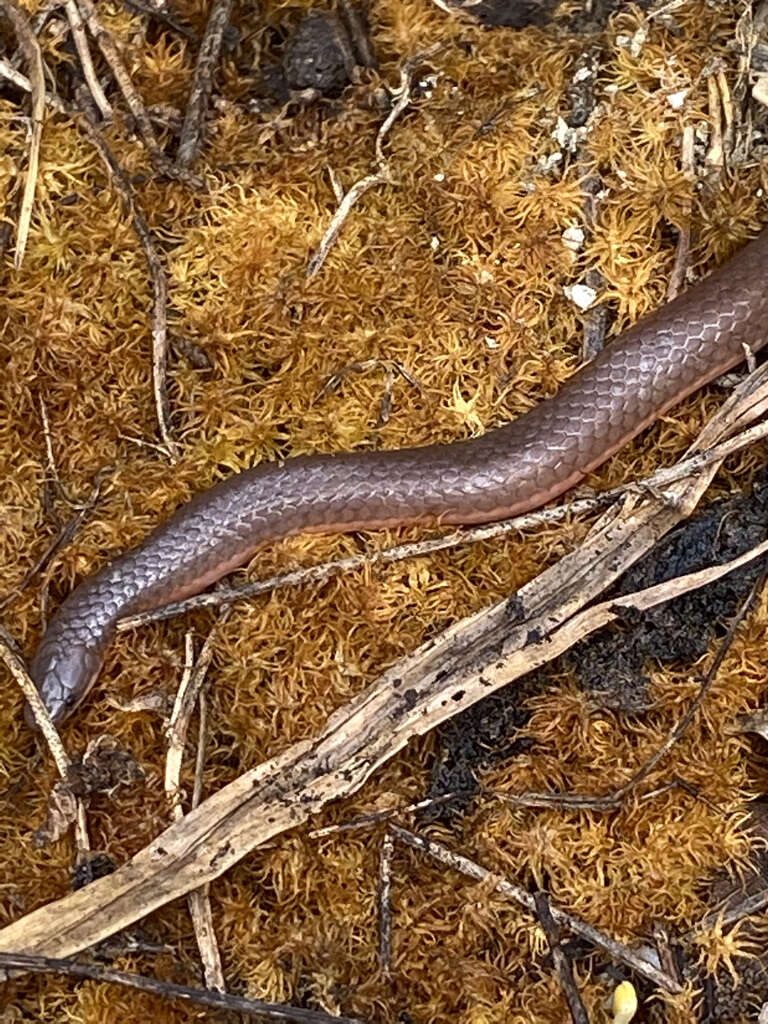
[{"x": 708, "y": 329}]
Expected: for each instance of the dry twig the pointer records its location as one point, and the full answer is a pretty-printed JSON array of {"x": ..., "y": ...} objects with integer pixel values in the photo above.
[
  {"x": 159, "y": 286},
  {"x": 561, "y": 962},
  {"x": 615, "y": 950},
  {"x": 31, "y": 48},
  {"x": 382, "y": 175},
  {"x": 208, "y": 57},
  {"x": 12, "y": 962},
  {"x": 164, "y": 17},
  {"x": 377, "y": 817},
  {"x": 385, "y": 902},
  {"x": 62, "y": 538},
  {"x": 135, "y": 103},
  {"x": 726, "y": 916}
]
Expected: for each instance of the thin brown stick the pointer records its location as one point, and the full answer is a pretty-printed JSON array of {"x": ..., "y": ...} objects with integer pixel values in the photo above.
[
  {"x": 561, "y": 962},
  {"x": 112, "y": 56},
  {"x": 457, "y": 862},
  {"x": 131, "y": 96},
  {"x": 50, "y": 459},
  {"x": 377, "y": 817},
  {"x": 159, "y": 318},
  {"x": 77, "y": 29},
  {"x": 753, "y": 904},
  {"x": 193, "y": 129},
  {"x": 62, "y": 538},
  {"x": 586, "y": 802},
  {"x": 164, "y": 17},
  {"x": 665, "y": 951},
  {"x": 202, "y": 733},
  {"x": 315, "y": 574},
  {"x": 169, "y": 990},
  {"x": 199, "y": 900},
  {"x": 31, "y": 49}
]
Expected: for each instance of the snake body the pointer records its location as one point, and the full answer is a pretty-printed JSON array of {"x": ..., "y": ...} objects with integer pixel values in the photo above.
[{"x": 515, "y": 468}]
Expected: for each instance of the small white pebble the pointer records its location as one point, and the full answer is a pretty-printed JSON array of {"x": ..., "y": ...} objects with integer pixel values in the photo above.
[
  {"x": 638, "y": 40},
  {"x": 545, "y": 164},
  {"x": 434, "y": 243},
  {"x": 439, "y": 176},
  {"x": 491, "y": 342},
  {"x": 581, "y": 295},
  {"x": 573, "y": 237},
  {"x": 677, "y": 99},
  {"x": 566, "y": 136}
]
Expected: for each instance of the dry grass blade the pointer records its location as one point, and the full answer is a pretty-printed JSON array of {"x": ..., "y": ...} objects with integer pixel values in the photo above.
[
  {"x": 190, "y": 692},
  {"x": 18, "y": 671},
  {"x": 154, "y": 264},
  {"x": 81, "y": 43},
  {"x": 443, "y": 677},
  {"x": 31, "y": 49}
]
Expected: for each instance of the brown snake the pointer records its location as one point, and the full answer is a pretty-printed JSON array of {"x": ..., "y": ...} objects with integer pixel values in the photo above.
[{"x": 643, "y": 372}]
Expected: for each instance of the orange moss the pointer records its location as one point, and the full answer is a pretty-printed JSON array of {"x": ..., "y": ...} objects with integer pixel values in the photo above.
[{"x": 456, "y": 270}]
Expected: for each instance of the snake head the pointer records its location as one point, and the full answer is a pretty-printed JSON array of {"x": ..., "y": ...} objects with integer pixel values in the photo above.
[{"x": 63, "y": 674}]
